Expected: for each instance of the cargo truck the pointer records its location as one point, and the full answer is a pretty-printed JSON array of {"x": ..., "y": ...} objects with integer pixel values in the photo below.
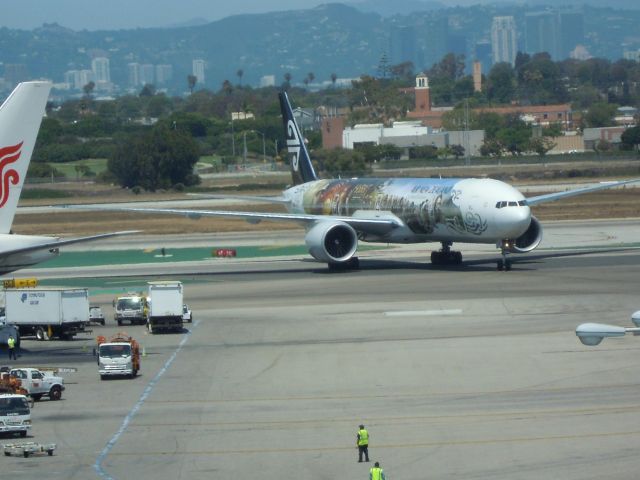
[
  {"x": 131, "y": 308},
  {"x": 165, "y": 307},
  {"x": 48, "y": 312},
  {"x": 118, "y": 356}
]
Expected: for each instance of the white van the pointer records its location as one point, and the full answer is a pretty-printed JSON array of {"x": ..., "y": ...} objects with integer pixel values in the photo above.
[{"x": 15, "y": 414}]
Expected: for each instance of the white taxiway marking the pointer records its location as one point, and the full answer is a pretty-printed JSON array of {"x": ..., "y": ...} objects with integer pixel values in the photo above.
[{"x": 423, "y": 313}]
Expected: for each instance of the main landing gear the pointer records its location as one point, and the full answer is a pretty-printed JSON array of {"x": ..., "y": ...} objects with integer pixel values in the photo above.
[
  {"x": 446, "y": 256},
  {"x": 504, "y": 263}
]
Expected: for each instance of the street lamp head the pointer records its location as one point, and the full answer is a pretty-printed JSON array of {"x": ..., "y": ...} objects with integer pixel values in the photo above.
[{"x": 592, "y": 333}]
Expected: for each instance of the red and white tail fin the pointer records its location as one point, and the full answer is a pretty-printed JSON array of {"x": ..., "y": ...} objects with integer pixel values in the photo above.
[{"x": 20, "y": 118}]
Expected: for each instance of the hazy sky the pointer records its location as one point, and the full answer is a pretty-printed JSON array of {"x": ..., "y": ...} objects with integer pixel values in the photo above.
[{"x": 115, "y": 14}]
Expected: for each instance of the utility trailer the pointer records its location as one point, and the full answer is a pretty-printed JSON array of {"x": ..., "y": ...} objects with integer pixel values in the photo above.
[{"x": 27, "y": 449}]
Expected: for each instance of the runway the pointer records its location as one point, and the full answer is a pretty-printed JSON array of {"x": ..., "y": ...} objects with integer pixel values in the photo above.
[{"x": 461, "y": 373}]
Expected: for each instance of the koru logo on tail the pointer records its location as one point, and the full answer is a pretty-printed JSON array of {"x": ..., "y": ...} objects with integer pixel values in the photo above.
[
  {"x": 8, "y": 155},
  {"x": 293, "y": 144}
]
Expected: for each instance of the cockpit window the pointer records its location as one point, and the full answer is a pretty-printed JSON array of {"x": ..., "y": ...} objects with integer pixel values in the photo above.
[{"x": 502, "y": 204}]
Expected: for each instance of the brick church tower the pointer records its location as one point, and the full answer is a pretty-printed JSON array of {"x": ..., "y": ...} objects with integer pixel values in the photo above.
[{"x": 423, "y": 95}]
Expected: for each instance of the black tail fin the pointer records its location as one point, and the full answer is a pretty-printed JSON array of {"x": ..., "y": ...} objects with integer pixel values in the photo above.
[{"x": 301, "y": 168}]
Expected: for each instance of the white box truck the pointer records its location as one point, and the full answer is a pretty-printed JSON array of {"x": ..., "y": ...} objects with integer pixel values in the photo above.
[
  {"x": 47, "y": 312},
  {"x": 164, "y": 306}
]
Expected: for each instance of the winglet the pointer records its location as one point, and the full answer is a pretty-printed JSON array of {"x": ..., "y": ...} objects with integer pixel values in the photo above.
[
  {"x": 20, "y": 118},
  {"x": 301, "y": 168}
]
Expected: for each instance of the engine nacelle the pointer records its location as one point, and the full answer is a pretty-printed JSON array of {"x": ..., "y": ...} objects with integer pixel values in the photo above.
[
  {"x": 332, "y": 242},
  {"x": 529, "y": 239}
]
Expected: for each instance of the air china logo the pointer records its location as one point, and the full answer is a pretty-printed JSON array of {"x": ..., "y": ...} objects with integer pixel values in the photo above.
[
  {"x": 8, "y": 155},
  {"x": 293, "y": 143}
]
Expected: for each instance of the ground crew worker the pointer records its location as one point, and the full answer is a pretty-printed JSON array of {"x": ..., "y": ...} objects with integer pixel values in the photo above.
[
  {"x": 376, "y": 473},
  {"x": 362, "y": 440},
  {"x": 11, "y": 343}
]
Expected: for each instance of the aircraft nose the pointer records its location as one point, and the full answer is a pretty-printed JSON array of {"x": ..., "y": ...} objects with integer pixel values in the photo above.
[{"x": 514, "y": 221}]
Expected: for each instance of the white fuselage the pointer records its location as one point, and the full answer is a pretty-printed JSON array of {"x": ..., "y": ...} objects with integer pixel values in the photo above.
[{"x": 444, "y": 210}]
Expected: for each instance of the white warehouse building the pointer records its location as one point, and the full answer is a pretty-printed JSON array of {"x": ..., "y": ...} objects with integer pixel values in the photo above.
[{"x": 411, "y": 134}]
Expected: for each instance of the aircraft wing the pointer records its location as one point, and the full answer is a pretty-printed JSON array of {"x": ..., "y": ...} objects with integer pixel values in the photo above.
[
  {"x": 251, "y": 198},
  {"x": 380, "y": 223},
  {"x": 551, "y": 197},
  {"x": 56, "y": 243}
]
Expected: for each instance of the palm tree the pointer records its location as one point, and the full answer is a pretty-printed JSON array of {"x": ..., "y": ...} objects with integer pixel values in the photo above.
[
  {"x": 334, "y": 77},
  {"x": 191, "y": 82},
  {"x": 287, "y": 81},
  {"x": 227, "y": 87},
  {"x": 239, "y": 73}
]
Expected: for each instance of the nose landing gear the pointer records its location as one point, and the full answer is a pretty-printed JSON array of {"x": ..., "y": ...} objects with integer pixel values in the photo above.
[
  {"x": 504, "y": 263},
  {"x": 446, "y": 256}
]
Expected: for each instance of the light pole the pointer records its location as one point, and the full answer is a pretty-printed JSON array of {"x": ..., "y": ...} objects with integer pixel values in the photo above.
[
  {"x": 233, "y": 140},
  {"x": 593, "y": 333}
]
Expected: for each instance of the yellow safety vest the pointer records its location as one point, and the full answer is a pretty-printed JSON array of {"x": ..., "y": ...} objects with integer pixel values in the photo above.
[
  {"x": 11, "y": 342},
  {"x": 363, "y": 437},
  {"x": 376, "y": 473}
]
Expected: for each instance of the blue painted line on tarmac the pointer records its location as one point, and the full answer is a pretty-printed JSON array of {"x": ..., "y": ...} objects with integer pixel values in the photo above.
[{"x": 97, "y": 466}]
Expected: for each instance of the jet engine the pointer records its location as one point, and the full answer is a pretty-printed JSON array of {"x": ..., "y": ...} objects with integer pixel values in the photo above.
[
  {"x": 332, "y": 242},
  {"x": 529, "y": 239}
]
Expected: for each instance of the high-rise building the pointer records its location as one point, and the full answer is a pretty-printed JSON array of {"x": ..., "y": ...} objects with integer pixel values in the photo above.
[
  {"x": 571, "y": 31},
  {"x": 100, "y": 69},
  {"x": 164, "y": 74},
  {"x": 15, "y": 73},
  {"x": 198, "y": 66},
  {"x": 133, "y": 74},
  {"x": 542, "y": 33},
  {"x": 268, "y": 81},
  {"x": 147, "y": 74},
  {"x": 503, "y": 40},
  {"x": 482, "y": 54},
  {"x": 402, "y": 46}
]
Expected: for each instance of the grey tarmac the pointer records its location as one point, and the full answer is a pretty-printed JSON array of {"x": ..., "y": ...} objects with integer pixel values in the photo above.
[{"x": 463, "y": 373}]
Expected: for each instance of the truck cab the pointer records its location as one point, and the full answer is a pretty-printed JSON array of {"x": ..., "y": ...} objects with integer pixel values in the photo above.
[
  {"x": 39, "y": 384},
  {"x": 131, "y": 308},
  {"x": 15, "y": 414},
  {"x": 118, "y": 358}
]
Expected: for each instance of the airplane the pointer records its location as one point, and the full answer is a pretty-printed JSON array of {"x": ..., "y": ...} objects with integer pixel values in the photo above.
[
  {"x": 20, "y": 118},
  {"x": 337, "y": 213}
]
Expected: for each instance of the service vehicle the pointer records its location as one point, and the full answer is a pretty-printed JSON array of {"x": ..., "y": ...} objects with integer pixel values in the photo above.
[
  {"x": 15, "y": 414},
  {"x": 48, "y": 312},
  {"x": 131, "y": 308},
  {"x": 186, "y": 314},
  {"x": 39, "y": 383},
  {"x": 166, "y": 307},
  {"x": 27, "y": 449},
  {"x": 96, "y": 315},
  {"x": 118, "y": 355}
]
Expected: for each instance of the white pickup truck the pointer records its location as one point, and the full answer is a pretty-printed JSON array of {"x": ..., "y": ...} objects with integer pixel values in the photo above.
[{"x": 39, "y": 383}]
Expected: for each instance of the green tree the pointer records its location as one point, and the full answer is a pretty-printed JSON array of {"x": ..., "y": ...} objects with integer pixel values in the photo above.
[
  {"x": 340, "y": 162},
  {"x": 501, "y": 83},
  {"x": 191, "y": 82},
  {"x": 600, "y": 114},
  {"x": 541, "y": 145},
  {"x": 631, "y": 137},
  {"x": 161, "y": 158},
  {"x": 240, "y": 73}
]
